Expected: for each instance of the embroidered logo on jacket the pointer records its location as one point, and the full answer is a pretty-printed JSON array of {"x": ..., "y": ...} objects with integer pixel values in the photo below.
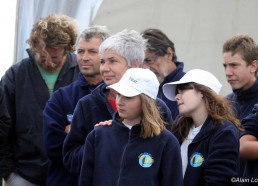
[
  {"x": 145, "y": 160},
  {"x": 196, "y": 159}
]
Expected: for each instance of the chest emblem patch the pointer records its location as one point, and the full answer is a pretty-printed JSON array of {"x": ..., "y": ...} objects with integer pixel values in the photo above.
[
  {"x": 145, "y": 160},
  {"x": 196, "y": 159}
]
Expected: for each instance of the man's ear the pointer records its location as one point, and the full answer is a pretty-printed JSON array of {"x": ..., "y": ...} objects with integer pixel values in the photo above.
[
  {"x": 169, "y": 54},
  {"x": 254, "y": 65}
]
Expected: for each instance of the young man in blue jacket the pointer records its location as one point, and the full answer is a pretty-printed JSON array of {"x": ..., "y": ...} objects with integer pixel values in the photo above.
[
  {"x": 118, "y": 53},
  {"x": 58, "y": 113},
  {"x": 240, "y": 56},
  {"x": 27, "y": 86}
]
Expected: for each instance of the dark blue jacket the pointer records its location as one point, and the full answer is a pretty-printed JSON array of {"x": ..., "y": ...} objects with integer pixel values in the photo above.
[
  {"x": 89, "y": 111},
  {"x": 56, "y": 116},
  {"x": 177, "y": 74},
  {"x": 5, "y": 124},
  {"x": 213, "y": 155},
  {"x": 118, "y": 156},
  {"x": 250, "y": 123},
  {"x": 26, "y": 94},
  {"x": 244, "y": 100},
  {"x": 5, "y": 121}
]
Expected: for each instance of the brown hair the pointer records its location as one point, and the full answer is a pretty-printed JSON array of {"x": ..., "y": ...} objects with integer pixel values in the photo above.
[
  {"x": 54, "y": 31},
  {"x": 152, "y": 123},
  {"x": 97, "y": 31},
  {"x": 218, "y": 107},
  {"x": 243, "y": 45},
  {"x": 158, "y": 42}
]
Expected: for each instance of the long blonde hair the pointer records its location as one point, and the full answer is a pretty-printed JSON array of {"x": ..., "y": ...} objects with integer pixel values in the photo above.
[
  {"x": 218, "y": 107},
  {"x": 152, "y": 123}
]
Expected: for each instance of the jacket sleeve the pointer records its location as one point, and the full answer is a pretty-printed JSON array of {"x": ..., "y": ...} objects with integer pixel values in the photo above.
[
  {"x": 54, "y": 123},
  {"x": 250, "y": 123},
  {"x": 223, "y": 160},
  {"x": 7, "y": 123},
  {"x": 87, "y": 167},
  {"x": 74, "y": 141},
  {"x": 171, "y": 165}
]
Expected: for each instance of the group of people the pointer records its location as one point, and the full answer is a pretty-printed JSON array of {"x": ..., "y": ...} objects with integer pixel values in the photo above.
[{"x": 120, "y": 110}]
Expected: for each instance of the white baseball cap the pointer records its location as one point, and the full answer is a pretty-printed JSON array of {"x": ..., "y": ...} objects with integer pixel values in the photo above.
[
  {"x": 136, "y": 81},
  {"x": 199, "y": 76}
]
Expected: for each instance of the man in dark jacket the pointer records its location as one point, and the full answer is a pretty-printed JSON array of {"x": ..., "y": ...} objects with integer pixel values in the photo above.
[
  {"x": 27, "y": 86},
  {"x": 161, "y": 58},
  {"x": 58, "y": 113},
  {"x": 240, "y": 56}
]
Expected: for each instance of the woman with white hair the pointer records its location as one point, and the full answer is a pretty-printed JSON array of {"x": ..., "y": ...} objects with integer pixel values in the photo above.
[{"x": 118, "y": 53}]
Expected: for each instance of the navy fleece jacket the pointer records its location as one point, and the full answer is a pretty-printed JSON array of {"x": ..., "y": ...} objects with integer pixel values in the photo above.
[
  {"x": 89, "y": 111},
  {"x": 213, "y": 155},
  {"x": 118, "y": 156}
]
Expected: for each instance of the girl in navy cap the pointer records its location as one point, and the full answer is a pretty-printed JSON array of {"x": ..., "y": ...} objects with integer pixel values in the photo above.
[
  {"x": 136, "y": 149},
  {"x": 206, "y": 129}
]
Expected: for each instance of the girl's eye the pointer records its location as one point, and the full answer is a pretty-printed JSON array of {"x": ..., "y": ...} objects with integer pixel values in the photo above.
[
  {"x": 128, "y": 97},
  {"x": 119, "y": 95}
]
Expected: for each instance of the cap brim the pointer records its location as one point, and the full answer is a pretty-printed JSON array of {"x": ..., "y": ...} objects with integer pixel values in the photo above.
[
  {"x": 169, "y": 89},
  {"x": 124, "y": 90}
]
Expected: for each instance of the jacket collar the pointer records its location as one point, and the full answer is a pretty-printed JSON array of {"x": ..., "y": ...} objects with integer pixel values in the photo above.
[
  {"x": 83, "y": 83},
  {"x": 176, "y": 74},
  {"x": 205, "y": 131},
  {"x": 248, "y": 93},
  {"x": 136, "y": 129}
]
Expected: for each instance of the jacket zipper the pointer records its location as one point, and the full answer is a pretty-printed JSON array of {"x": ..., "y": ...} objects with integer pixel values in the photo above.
[{"x": 118, "y": 180}]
